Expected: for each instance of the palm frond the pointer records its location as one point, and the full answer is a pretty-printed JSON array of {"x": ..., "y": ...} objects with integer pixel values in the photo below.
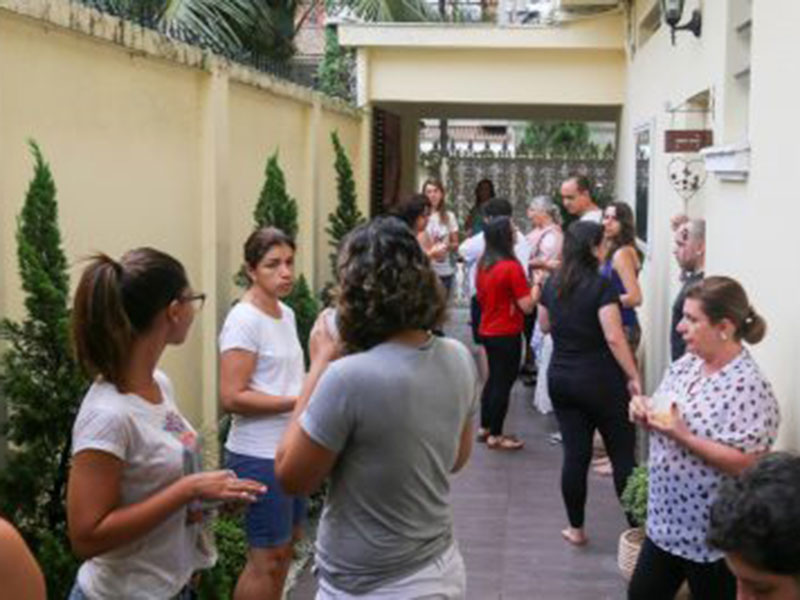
[
  {"x": 393, "y": 10},
  {"x": 216, "y": 20}
]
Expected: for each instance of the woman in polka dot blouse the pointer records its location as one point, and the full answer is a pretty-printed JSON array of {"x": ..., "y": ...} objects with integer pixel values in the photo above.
[{"x": 712, "y": 416}]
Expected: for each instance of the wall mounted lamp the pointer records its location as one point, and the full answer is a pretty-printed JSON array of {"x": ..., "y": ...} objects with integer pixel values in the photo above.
[{"x": 673, "y": 11}]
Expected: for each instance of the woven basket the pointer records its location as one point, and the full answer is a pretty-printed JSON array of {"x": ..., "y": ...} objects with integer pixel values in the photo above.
[{"x": 630, "y": 543}]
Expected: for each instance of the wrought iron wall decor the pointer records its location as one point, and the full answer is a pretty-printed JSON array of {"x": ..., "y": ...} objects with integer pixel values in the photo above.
[
  {"x": 686, "y": 176},
  {"x": 519, "y": 179}
]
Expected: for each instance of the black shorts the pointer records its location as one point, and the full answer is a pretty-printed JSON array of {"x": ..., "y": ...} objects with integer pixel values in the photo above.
[{"x": 475, "y": 319}]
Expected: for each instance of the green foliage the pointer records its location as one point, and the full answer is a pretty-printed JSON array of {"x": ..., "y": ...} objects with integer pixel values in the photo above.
[
  {"x": 334, "y": 71},
  {"x": 275, "y": 207},
  {"x": 40, "y": 383},
  {"x": 220, "y": 580},
  {"x": 393, "y": 10},
  {"x": 556, "y": 138},
  {"x": 634, "y": 498},
  {"x": 250, "y": 28},
  {"x": 346, "y": 216}
]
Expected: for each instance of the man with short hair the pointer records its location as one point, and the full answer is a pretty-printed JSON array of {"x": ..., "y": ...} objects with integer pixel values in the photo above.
[
  {"x": 755, "y": 521},
  {"x": 690, "y": 252},
  {"x": 576, "y": 194}
]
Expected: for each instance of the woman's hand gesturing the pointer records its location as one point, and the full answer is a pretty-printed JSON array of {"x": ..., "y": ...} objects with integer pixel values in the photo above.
[{"x": 224, "y": 485}]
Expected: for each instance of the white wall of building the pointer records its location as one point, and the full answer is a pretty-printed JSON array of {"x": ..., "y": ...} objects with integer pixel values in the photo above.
[{"x": 751, "y": 225}]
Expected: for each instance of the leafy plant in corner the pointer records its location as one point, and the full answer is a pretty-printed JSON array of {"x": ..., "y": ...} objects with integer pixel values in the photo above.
[
  {"x": 346, "y": 216},
  {"x": 41, "y": 385},
  {"x": 276, "y": 208},
  {"x": 634, "y": 497}
]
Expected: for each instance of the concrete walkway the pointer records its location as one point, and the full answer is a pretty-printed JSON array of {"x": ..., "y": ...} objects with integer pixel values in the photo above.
[{"x": 508, "y": 513}]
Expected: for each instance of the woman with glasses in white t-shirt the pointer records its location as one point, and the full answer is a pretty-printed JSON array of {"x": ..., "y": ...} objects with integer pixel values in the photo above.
[
  {"x": 261, "y": 373},
  {"x": 134, "y": 499}
]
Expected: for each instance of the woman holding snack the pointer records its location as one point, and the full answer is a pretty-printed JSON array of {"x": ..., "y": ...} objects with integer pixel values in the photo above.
[{"x": 712, "y": 416}]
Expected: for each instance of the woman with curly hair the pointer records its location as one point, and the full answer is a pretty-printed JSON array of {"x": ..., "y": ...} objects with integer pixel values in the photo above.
[
  {"x": 622, "y": 265},
  {"x": 388, "y": 423}
]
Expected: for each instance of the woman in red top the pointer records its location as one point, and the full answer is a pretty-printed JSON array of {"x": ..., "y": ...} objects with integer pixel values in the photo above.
[{"x": 504, "y": 297}]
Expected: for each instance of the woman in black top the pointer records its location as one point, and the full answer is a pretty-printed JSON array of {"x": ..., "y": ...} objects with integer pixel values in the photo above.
[{"x": 592, "y": 372}]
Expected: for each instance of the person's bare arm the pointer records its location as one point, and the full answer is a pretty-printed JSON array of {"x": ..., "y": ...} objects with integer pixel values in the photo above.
[
  {"x": 235, "y": 373},
  {"x": 611, "y": 323},
  {"x": 301, "y": 464},
  {"x": 96, "y": 521},
  {"x": 624, "y": 264},
  {"x": 543, "y": 316},
  {"x": 453, "y": 241},
  {"x": 20, "y": 574},
  {"x": 464, "y": 447}
]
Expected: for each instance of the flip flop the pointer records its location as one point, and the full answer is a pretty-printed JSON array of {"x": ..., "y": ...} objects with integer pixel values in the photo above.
[{"x": 483, "y": 435}]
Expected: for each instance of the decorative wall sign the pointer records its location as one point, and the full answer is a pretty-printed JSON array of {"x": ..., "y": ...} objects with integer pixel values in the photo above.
[
  {"x": 686, "y": 176},
  {"x": 687, "y": 140}
]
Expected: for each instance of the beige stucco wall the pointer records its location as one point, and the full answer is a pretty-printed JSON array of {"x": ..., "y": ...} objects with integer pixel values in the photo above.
[
  {"x": 578, "y": 63},
  {"x": 155, "y": 143},
  {"x": 750, "y": 224}
]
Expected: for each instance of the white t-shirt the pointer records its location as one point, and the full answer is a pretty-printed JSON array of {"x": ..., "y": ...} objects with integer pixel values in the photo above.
[
  {"x": 440, "y": 231},
  {"x": 594, "y": 216},
  {"x": 157, "y": 446},
  {"x": 472, "y": 249},
  {"x": 279, "y": 371}
]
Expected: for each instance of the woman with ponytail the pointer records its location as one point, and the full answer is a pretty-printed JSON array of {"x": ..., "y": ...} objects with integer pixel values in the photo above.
[
  {"x": 712, "y": 416},
  {"x": 592, "y": 370},
  {"x": 135, "y": 493}
]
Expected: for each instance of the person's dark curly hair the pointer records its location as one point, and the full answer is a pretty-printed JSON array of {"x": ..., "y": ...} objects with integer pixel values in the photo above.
[
  {"x": 757, "y": 515},
  {"x": 386, "y": 285}
]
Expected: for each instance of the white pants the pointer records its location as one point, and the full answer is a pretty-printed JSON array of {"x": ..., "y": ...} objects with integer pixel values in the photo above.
[{"x": 442, "y": 579}]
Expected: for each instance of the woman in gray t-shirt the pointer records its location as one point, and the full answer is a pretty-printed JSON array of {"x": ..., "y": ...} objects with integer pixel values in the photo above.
[{"x": 389, "y": 423}]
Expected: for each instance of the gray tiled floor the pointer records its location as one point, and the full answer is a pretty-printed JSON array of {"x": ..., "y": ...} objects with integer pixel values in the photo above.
[{"x": 508, "y": 514}]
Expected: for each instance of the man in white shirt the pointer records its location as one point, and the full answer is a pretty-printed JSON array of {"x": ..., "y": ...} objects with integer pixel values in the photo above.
[
  {"x": 576, "y": 194},
  {"x": 471, "y": 251}
]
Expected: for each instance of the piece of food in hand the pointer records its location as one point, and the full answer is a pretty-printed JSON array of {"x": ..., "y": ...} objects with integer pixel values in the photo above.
[{"x": 661, "y": 408}]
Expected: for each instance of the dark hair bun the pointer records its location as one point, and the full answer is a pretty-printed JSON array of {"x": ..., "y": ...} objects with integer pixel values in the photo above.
[{"x": 754, "y": 328}]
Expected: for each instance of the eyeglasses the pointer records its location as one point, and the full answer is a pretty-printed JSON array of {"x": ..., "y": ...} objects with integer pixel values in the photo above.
[{"x": 199, "y": 298}]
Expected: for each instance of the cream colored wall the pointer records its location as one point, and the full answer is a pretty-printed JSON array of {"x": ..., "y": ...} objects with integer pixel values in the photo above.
[
  {"x": 501, "y": 76},
  {"x": 153, "y": 143},
  {"x": 750, "y": 224}
]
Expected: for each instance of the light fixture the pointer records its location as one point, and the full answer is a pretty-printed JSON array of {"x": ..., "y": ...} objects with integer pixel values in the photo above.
[{"x": 673, "y": 10}]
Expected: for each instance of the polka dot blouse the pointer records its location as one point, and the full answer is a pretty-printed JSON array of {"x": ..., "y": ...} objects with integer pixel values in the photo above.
[{"x": 734, "y": 406}]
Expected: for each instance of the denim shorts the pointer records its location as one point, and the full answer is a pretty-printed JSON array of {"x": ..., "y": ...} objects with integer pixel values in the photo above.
[
  {"x": 270, "y": 519},
  {"x": 77, "y": 594}
]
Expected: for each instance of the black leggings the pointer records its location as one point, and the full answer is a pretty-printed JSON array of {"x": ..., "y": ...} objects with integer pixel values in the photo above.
[
  {"x": 659, "y": 574},
  {"x": 504, "y": 353},
  {"x": 585, "y": 402}
]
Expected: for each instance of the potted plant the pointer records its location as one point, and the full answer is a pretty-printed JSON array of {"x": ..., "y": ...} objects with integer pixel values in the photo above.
[{"x": 634, "y": 501}]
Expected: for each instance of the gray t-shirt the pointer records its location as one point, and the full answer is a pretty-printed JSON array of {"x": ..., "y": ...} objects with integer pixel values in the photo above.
[{"x": 394, "y": 415}]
